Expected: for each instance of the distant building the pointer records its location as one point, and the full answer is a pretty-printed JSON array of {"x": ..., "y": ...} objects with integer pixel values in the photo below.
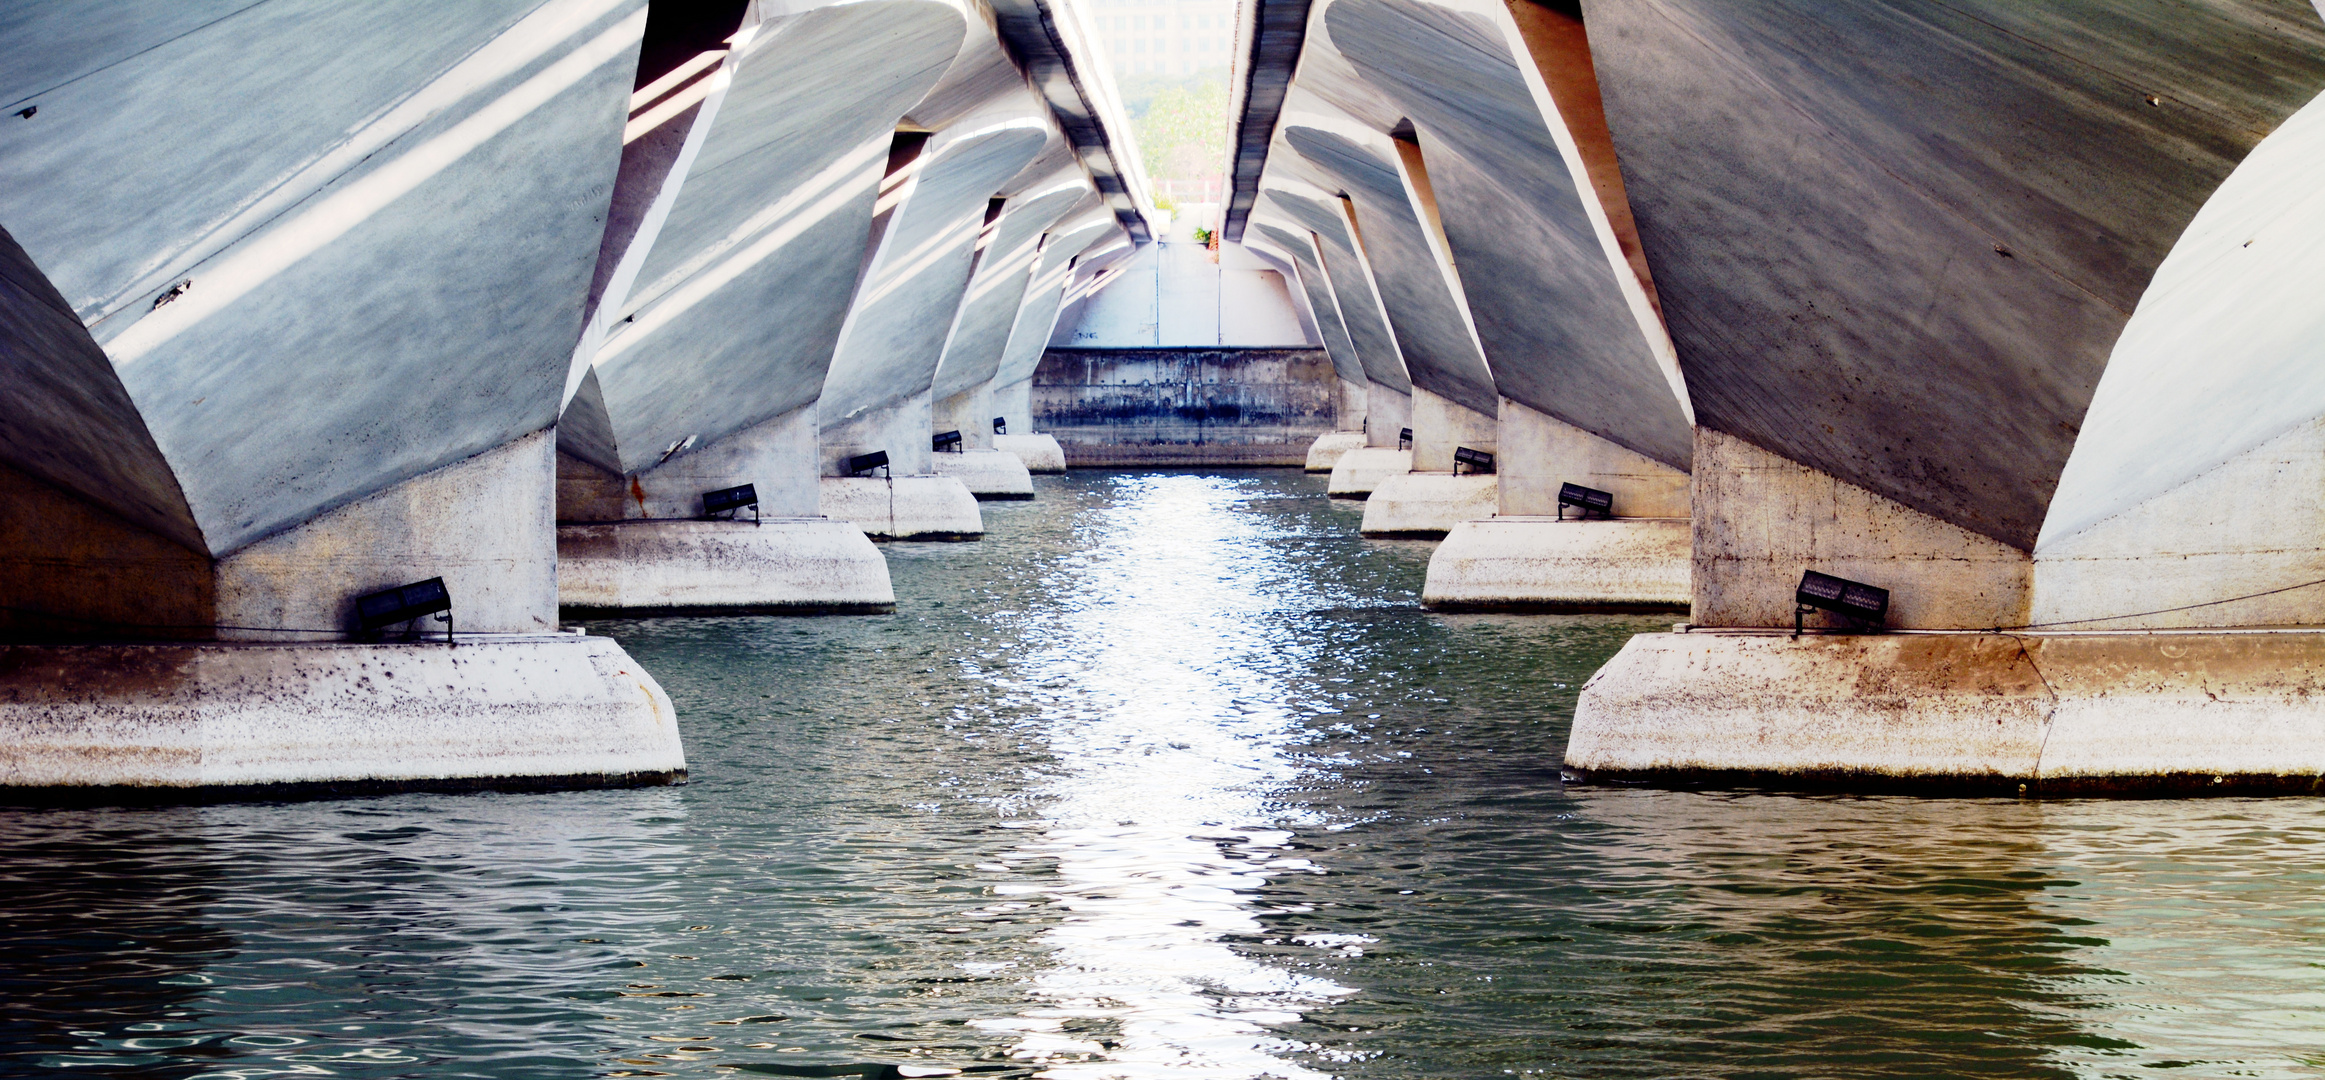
[{"x": 1165, "y": 37}]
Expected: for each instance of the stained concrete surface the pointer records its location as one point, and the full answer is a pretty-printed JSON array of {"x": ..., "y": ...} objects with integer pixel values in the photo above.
[
  {"x": 1185, "y": 406},
  {"x": 2161, "y": 713},
  {"x": 1514, "y": 217},
  {"x": 988, "y": 474},
  {"x": 1360, "y": 471},
  {"x": 1326, "y": 450},
  {"x": 781, "y": 566},
  {"x": 1543, "y": 563},
  {"x": 511, "y": 710},
  {"x": 1895, "y": 242},
  {"x": 904, "y": 507},
  {"x": 1427, "y": 505}
]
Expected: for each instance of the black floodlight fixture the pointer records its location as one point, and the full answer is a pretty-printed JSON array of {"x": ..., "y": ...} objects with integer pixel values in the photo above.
[
  {"x": 1478, "y": 460},
  {"x": 1404, "y": 438},
  {"x": 731, "y": 501},
  {"x": 1588, "y": 500},
  {"x": 1000, "y": 425},
  {"x": 946, "y": 442},
  {"x": 404, "y": 603},
  {"x": 1855, "y": 601},
  {"x": 864, "y": 463}
]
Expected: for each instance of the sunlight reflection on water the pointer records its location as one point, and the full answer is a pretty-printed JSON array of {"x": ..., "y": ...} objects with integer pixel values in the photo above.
[
  {"x": 1168, "y": 776},
  {"x": 1160, "y": 825}
]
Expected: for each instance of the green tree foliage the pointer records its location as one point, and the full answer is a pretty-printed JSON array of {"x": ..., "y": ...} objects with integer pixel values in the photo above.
[{"x": 1182, "y": 130}]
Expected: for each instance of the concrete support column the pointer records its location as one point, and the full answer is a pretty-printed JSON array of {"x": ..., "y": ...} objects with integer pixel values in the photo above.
[
  {"x": 1428, "y": 500},
  {"x": 1528, "y": 558},
  {"x": 1440, "y": 424},
  {"x": 1353, "y": 401},
  {"x": 635, "y": 545},
  {"x": 1387, "y": 411},
  {"x": 1760, "y": 520},
  {"x": 1539, "y": 452}
]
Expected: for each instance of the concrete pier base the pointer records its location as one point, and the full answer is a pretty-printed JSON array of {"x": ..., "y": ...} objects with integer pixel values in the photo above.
[
  {"x": 1040, "y": 453},
  {"x": 243, "y": 720},
  {"x": 1544, "y": 564},
  {"x": 1326, "y": 450},
  {"x": 783, "y": 566},
  {"x": 2128, "y": 713},
  {"x": 1361, "y": 470},
  {"x": 904, "y": 508},
  {"x": 1427, "y": 505},
  {"x": 988, "y": 474}
]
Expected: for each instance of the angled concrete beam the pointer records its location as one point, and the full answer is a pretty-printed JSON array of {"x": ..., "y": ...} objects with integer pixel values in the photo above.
[{"x": 1007, "y": 258}]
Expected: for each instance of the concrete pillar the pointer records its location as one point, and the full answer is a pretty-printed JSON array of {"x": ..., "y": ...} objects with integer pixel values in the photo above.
[
  {"x": 879, "y": 392},
  {"x": 1531, "y": 557},
  {"x": 331, "y": 369},
  {"x": 638, "y": 544},
  {"x": 1029, "y": 335},
  {"x": 718, "y": 301},
  {"x": 1429, "y": 500},
  {"x": 1902, "y": 393}
]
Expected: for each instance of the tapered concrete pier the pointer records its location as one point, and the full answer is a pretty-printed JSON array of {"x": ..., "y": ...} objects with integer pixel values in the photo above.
[
  {"x": 1545, "y": 564},
  {"x": 2135, "y": 713},
  {"x": 1326, "y": 450},
  {"x": 1360, "y": 471},
  {"x": 1039, "y": 452},
  {"x": 988, "y": 474},
  {"x": 780, "y": 566},
  {"x": 1427, "y": 505}
]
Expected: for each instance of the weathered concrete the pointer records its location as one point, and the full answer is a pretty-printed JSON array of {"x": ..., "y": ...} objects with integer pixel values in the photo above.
[
  {"x": 330, "y": 239},
  {"x": 1441, "y": 425},
  {"x": 1895, "y": 243},
  {"x": 725, "y": 316},
  {"x": 95, "y": 576},
  {"x": 783, "y": 566},
  {"x": 1360, "y": 471},
  {"x": 1433, "y": 334},
  {"x": 1760, "y": 520},
  {"x": 2199, "y": 474},
  {"x": 1326, "y": 450},
  {"x": 1330, "y": 229},
  {"x": 1040, "y": 452},
  {"x": 1544, "y": 564},
  {"x": 1037, "y": 316},
  {"x": 988, "y": 474},
  {"x": 1426, "y": 505},
  {"x": 922, "y": 256},
  {"x": 1387, "y": 411},
  {"x": 1185, "y": 406},
  {"x": 156, "y": 721},
  {"x": 904, "y": 508},
  {"x": 1539, "y": 452},
  {"x": 1008, "y": 250},
  {"x": 777, "y": 458},
  {"x": 2218, "y": 712},
  {"x": 1497, "y": 158},
  {"x": 1312, "y": 290}
]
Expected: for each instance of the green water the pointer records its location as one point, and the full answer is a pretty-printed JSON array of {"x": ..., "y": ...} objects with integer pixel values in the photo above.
[{"x": 1167, "y": 777}]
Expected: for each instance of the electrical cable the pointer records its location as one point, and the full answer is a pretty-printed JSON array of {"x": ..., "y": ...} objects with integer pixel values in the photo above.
[{"x": 2159, "y": 611}]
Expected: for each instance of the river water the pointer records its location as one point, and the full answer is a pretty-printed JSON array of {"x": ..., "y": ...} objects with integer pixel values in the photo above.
[{"x": 1167, "y": 777}]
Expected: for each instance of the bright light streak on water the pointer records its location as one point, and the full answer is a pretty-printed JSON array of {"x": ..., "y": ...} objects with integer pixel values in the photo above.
[
  {"x": 1174, "y": 733},
  {"x": 1166, "y": 778}
]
